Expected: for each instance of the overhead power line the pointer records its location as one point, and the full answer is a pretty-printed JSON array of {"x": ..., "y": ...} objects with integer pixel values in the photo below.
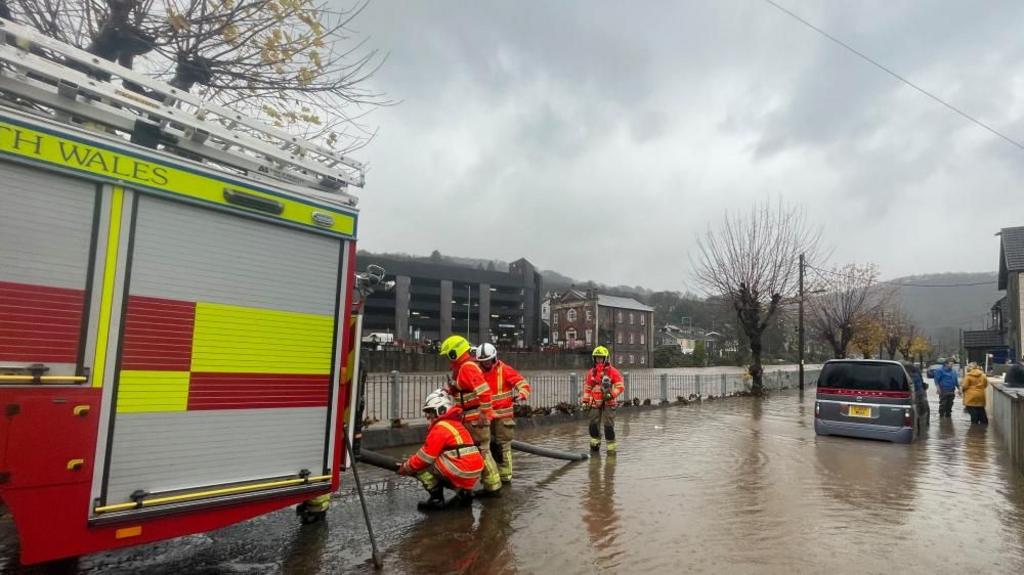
[
  {"x": 820, "y": 271},
  {"x": 892, "y": 73}
]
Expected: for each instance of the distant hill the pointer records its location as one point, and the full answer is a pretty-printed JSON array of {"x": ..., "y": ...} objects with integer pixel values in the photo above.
[{"x": 943, "y": 311}]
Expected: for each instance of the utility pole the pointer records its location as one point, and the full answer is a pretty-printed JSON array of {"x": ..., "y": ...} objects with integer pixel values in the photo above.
[{"x": 800, "y": 324}]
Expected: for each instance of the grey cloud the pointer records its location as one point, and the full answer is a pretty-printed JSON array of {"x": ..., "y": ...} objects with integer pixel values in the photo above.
[{"x": 599, "y": 138}]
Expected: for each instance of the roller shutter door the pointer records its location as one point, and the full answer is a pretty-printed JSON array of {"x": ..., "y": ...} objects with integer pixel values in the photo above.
[
  {"x": 45, "y": 238},
  {"x": 224, "y": 374}
]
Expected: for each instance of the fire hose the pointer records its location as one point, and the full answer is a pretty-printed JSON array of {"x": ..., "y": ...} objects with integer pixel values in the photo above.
[{"x": 392, "y": 464}]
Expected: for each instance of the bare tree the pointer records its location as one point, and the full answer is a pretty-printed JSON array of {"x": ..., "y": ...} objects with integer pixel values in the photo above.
[
  {"x": 292, "y": 62},
  {"x": 752, "y": 261},
  {"x": 850, "y": 294}
]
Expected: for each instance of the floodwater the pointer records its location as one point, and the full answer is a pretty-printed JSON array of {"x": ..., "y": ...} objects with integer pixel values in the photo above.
[{"x": 729, "y": 486}]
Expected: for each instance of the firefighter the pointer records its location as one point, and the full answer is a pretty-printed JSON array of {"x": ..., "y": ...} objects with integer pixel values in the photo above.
[
  {"x": 472, "y": 394},
  {"x": 507, "y": 387},
  {"x": 448, "y": 458},
  {"x": 600, "y": 390}
]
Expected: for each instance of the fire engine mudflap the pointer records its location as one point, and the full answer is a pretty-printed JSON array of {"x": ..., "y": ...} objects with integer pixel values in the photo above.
[{"x": 174, "y": 333}]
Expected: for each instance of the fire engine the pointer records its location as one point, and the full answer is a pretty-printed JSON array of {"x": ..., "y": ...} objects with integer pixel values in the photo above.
[{"x": 176, "y": 326}]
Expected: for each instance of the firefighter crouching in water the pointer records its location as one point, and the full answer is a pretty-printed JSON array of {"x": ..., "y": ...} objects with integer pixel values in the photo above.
[
  {"x": 507, "y": 387},
  {"x": 448, "y": 458},
  {"x": 473, "y": 395},
  {"x": 600, "y": 390}
]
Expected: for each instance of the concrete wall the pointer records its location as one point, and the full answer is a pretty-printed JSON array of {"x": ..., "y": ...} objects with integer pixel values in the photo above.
[
  {"x": 1006, "y": 409},
  {"x": 386, "y": 361}
]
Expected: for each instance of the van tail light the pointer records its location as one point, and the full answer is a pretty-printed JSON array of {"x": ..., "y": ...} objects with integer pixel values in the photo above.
[
  {"x": 907, "y": 419},
  {"x": 817, "y": 410}
]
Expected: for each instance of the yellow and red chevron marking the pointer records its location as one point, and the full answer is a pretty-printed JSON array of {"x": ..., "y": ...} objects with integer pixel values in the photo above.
[{"x": 181, "y": 356}]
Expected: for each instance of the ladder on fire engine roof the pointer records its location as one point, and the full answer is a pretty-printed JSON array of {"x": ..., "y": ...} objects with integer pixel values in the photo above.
[{"x": 41, "y": 72}]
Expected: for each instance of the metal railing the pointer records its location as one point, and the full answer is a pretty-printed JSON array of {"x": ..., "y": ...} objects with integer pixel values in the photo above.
[{"x": 396, "y": 397}]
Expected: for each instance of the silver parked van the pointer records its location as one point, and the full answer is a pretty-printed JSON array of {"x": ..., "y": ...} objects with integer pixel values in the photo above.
[{"x": 866, "y": 398}]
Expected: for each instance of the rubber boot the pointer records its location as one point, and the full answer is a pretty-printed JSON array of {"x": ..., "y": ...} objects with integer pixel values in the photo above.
[
  {"x": 433, "y": 503},
  {"x": 463, "y": 498},
  {"x": 490, "y": 478},
  {"x": 612, "y": 447},
  {"x": 505, "y": 466}
]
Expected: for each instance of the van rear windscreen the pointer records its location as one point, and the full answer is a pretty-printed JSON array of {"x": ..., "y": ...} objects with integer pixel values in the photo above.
[{"x": 863, "y": 376}]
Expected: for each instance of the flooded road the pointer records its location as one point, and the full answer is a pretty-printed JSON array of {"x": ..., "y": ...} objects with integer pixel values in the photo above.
[{"x": 733, "y": 486}]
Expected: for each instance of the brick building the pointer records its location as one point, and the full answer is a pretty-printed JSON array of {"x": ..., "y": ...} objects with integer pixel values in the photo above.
[{"x": 585, "y": 319}]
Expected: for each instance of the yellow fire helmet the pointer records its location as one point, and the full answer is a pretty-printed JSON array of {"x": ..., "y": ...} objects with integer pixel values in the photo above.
[
  {"x": 454, "y": 346},
  {"x": 600, "y": 351}
]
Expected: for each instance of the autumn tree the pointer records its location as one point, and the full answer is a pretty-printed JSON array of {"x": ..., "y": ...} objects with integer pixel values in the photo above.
[
  {"x": 907, "y": 338},
  {"x": 919, "y": 347},
  {"x": 868, "y": 334},
  {"x": 752, "y": 261},
  {"x": 896, "y": 324},
  {"x": 848, "y": 294},
  {"x": 292, "y": 63}
]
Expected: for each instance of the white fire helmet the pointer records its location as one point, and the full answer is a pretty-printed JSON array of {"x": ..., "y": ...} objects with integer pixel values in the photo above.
[
  {"x": 486, "y": 352},
  {"x": 438, "y": 401}
]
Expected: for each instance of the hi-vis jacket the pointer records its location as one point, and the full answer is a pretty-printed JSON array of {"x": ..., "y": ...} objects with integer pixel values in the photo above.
[
  {"x": 449, "y": 448},
  {"x": 470, "y": 389},
  {"x": 506, "y": 386},
  {"x": 593, "y": 389}
]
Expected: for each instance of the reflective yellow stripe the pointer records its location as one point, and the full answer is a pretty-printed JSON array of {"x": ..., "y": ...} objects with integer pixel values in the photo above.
[
  {"x": 501, "y": 396},
  {"x": 423, "y": 455},
  {"x": 448, "y": 462},
  {"x": 99, "y": 362},
  {"x": 503, "y": 412},
  {"x": 501, "y": 380},
  {"x": 119, "y": 167},
  {"x": 234, "y": 339},
  {"x": 454, "y": 432}
]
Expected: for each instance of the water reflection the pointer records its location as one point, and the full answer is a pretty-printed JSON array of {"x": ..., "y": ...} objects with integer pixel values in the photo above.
[
  {"x": 600, "y": 515},
  {"x": 305, "y": 553}
]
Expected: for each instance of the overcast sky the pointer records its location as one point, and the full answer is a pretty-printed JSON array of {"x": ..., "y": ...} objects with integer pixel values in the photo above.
[{"x": 599, "y": 138}]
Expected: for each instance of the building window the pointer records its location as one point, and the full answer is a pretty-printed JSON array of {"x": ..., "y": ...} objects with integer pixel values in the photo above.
[
  {"x": 554, "y": 318},
  {"x": 618, "y": 359},
  {"x": 643, "y": 320},
  {"x": 589, "y": 336},
  {"x": 618, "y": 317},
  {"x": 632, "y": 359},
  {"x": 631, "y": 338},
  {"x": 618, "y": 337},
  {"x": 570, "y": 336},
  {"x": 631, "y": 318},
  {"x": 643, "y": 360},
  {"x": 570, "y": 315},
  {"x": 643, "y": 338},
  {"x": 590, "y": 315}
]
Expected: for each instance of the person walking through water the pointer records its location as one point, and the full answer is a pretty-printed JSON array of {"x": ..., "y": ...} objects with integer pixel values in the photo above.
[
  {"x": 947, "y": 386},
  {"x": 975, "y": 387},
  {"x": 600, "y": 392}
]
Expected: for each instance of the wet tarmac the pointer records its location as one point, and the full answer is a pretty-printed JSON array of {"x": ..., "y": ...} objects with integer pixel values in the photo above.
[{"x": 733, "y": 486}]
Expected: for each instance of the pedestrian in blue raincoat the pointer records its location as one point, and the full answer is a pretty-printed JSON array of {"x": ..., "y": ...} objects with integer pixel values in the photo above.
[{"x": 947, "y": 386}]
